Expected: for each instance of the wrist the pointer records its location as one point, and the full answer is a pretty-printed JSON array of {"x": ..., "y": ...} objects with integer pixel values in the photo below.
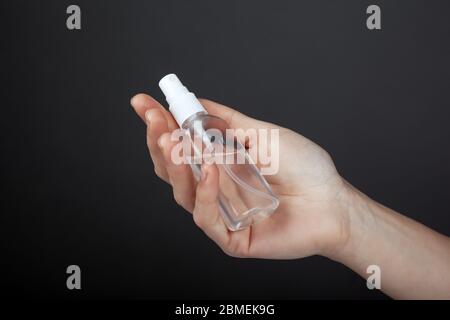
[{"x": 355, "y": 216}]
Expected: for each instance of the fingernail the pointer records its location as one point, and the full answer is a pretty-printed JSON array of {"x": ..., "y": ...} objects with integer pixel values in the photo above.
[
  {"x": 148, "y": 116},
  {"x": 159, "y": 142},
  {"x": 131, "y": 100}
]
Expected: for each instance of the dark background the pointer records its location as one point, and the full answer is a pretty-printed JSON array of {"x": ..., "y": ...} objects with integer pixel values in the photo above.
[{"x": 78, "y": 183}]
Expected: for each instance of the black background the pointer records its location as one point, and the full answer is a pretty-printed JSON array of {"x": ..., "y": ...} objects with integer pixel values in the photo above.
[{"x": 78, "y": 183}]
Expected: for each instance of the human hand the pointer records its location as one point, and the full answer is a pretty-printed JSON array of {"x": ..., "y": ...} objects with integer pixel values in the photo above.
[{"x": 312, "y": 217}]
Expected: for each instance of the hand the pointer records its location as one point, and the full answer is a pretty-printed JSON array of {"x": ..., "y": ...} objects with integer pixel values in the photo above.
[
  {"x": 319, "y": 212},
  {"x": 312, "y": 216}
]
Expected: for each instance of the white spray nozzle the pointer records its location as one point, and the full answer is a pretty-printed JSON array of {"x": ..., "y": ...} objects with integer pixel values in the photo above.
[
  {"x": 171, "y": 86},
  {"x": 182, "y": 103}
]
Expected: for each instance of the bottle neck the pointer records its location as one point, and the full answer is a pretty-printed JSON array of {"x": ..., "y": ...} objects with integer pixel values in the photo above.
[{"x": 186, "y": 123}]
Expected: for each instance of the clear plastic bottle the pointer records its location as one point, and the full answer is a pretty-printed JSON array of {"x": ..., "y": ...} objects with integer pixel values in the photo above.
[{"x": 245, "y": 197}]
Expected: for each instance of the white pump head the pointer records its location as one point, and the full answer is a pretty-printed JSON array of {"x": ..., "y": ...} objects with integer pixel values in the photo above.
[{"x": 182, "y": 103}]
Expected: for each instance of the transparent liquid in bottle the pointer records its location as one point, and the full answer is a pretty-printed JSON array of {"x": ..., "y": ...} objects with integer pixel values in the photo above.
[{"x": 245, "y": 197}]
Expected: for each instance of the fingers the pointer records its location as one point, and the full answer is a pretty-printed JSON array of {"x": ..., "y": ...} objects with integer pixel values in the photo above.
[
  {"x": 156, "y": 126},
  {"x": 206, "y": 212},
  {"x": 143, "y": 102},
  {"x": 158, "y": 121},
  {"x": 180, "y": 175}
]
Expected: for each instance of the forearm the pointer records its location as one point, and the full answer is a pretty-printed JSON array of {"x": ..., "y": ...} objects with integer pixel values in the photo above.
[{"x": 414, "y": 260}]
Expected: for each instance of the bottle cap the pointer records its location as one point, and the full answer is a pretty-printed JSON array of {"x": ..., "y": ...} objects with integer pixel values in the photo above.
[{"x": 182, "y": 103}]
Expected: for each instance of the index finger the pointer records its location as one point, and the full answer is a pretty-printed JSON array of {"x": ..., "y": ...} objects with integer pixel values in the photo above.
[{"x": 143, "y": 102}]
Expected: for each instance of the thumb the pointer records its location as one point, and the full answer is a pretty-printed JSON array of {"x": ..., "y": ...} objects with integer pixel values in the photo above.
[
  {"x": 234, "y": 118},
  {"x": 257, "y": 146}
]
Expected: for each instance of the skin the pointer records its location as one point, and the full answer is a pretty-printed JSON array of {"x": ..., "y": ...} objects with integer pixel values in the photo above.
[{"x": 319, "y": 214}]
